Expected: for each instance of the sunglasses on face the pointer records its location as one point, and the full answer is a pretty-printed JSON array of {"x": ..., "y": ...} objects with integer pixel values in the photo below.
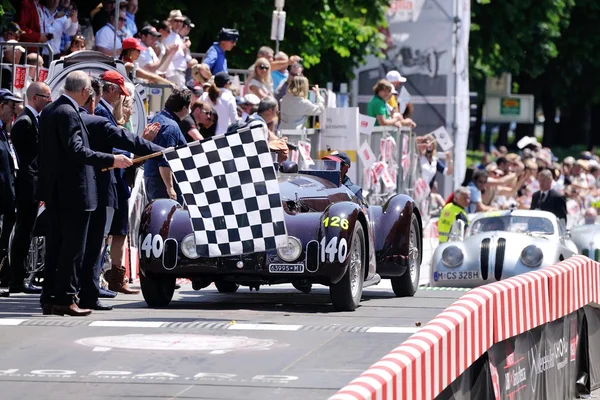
[
  {"x": 263, "y": 67},
  {"x": 209, "y": 113},
  {"x": 483, "y": 182},
  {"x": 121, "y": 19}
]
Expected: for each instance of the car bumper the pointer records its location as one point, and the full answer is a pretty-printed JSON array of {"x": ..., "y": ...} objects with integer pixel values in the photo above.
[{"x": 258, "y": 267}]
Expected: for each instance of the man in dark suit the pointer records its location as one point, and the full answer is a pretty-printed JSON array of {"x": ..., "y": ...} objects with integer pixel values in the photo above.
[
  {"x": 548, "y": 199},
  {"x": 103, "y": 137},
  {"x": 67, "y": 184},
  {"x": 8, "y": 167},
  {"x": 25, "y": 139}
]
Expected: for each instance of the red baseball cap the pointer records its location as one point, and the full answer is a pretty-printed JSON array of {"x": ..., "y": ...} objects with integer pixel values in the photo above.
[
  {"x": 116, "y": 78},
  {"x": 133, "y": 43}
]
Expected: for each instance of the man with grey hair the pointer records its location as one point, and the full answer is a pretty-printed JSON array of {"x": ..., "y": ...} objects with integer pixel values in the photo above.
[
  {"x": 67, "y": 185},
  {"x": 590, "y": 216},
  {"x": 548, "y": 199},
  {"x": 454, "y": 210}
]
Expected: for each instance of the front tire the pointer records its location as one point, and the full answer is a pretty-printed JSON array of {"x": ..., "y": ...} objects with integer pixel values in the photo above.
[
  {"x": 227, "y": 287},
  {"x": 157, "y": 290},
  {"x": 346, "y": 294},
  {"x": 408, "y": 283}
]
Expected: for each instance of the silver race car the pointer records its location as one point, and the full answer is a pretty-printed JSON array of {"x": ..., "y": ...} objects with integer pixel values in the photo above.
[
  {"x": 499, "y": 245},
  {"x": 587, "y": 239}
]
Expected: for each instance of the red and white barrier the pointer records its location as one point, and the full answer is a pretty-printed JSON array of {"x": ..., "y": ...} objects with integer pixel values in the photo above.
[{"x": 431, "y": 359}]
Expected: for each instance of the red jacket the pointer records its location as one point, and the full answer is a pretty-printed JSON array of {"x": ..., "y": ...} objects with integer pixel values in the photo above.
[{"x": 29, "y": 21}]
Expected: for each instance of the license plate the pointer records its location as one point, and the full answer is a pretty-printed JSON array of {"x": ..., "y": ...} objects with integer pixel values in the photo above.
[
  {"x": 455, "y": 275},
  {"x": 287, "y": 268}
]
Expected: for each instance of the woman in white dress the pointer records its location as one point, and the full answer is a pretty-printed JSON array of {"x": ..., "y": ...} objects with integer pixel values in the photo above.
[{"x": 261, "y": 83}]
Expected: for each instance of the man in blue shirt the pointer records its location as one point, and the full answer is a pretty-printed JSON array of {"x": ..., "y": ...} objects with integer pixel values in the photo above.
[
  {"x": 157, "y": 174},
  {"x": 215, "y": 55}
]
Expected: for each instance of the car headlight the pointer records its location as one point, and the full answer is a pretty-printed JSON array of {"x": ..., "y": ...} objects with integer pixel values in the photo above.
[
  {"x": 532, "y": 256},
  {"x": 452, "y": 256},
  {"x": 292, "y": 251},
  {"x": 188, "y": 246}
]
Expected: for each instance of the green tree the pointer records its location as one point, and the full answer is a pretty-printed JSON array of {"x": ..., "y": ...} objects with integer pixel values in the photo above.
[
  {"x": 333, "y": 36},
  {"x": 519, "y": 37}
]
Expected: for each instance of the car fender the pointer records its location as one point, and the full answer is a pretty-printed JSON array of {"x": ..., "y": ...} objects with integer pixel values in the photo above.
[
  {"x": 336, "y": 228},
  {"x": 392, "y": 230},
  {"x": 155, "y": 227}
]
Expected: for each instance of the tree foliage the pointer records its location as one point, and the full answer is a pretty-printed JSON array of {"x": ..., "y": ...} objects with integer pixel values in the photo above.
[{"x": 333, "y": 36}]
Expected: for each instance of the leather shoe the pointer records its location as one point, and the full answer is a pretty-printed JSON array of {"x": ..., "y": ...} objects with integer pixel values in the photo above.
[
  {"x": 72, "y": 310},
  {"x": 107, "y": 294},
  {"x": 26, "y": 288},
  {"x": 47, "y": 309},
  {"x": 97, "y": 306}
]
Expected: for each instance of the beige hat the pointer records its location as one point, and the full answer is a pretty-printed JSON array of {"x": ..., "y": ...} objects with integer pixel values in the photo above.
[{"x": 176, "y": 14}]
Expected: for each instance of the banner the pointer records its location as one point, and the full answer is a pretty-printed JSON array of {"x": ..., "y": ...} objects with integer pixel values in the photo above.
[
  {"x": 340, "y": 132},
  {"x": 546, "y": 363},
  {"x": 539, "y": 364}
]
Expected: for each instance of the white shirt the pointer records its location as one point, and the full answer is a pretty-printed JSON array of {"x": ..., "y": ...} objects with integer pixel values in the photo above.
[
  {"x": 180, "y": 59},
  {"x": 57, "y": 27},
  {"x": 226, "y": 109},
  {"x": 147, "y": 56},
  {"x": 105, "y": 38}
]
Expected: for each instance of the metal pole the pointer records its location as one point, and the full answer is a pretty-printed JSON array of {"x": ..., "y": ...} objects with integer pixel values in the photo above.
[
  {"x": 117, "y": 7},
  {"x": 277, "y": 35}
]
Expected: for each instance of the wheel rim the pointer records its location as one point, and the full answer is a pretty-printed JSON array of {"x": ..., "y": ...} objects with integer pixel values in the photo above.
[
  {"x": 355, "y": 265},
  {"x": 413, "y": 254}
]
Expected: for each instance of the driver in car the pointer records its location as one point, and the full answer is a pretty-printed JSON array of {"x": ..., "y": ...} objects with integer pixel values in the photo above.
[{"x": 345, "y": 163}]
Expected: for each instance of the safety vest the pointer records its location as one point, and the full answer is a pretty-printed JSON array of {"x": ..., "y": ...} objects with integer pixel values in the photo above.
[{"x": 447, "y": 218}]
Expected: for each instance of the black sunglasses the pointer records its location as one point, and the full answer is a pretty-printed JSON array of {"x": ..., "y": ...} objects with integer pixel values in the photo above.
[
  {"x": 122, "y": 19},
  {"x": 263, "y": 67}
]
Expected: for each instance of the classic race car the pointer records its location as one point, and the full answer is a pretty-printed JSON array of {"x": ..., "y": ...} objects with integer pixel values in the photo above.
[
  {"x": 587, "y": 239},
  {"x": 334, "y": 239},
  {"x": 500, "y": 245}
]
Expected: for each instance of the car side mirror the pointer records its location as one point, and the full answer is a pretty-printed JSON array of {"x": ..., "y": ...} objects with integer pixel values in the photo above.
[{"x": 457, "y": 232}]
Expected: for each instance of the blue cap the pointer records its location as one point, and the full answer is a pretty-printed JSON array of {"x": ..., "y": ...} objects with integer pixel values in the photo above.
[
  {"x": 7, "y": 95},
  {"x": 339, "y": 156}
]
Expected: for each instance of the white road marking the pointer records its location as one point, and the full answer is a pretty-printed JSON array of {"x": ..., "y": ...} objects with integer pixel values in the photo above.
[
  {"x": 98, "y": 348},
  {"x": 127, "y": 324},
  {"x": 392, "y": 329},
  {"x": 11, "y": 321},
  {"x": 180, "y": 342},
  {"x": 264, "y": 327}
]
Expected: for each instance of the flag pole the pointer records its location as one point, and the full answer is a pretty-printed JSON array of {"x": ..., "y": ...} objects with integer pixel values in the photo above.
[{"x": 139, "y": 159}]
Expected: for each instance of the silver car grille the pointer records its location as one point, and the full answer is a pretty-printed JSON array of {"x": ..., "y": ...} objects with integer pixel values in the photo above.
[{"x": 492, "y": 250}]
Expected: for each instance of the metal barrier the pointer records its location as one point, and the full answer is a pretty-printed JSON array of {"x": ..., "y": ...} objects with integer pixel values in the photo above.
[{"x": 19, "y": 71}]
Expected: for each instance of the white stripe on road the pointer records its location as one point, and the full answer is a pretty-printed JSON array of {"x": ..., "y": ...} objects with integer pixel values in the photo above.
[
  {"x": 98, "y": 348},
  {"x": 11, "y": 321},
  {"x": 392, "y": 329},
  {"x": 264, "y": 327},
  {"x": 127, "y": 324}
]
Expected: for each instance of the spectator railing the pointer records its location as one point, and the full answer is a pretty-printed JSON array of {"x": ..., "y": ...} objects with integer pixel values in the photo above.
[{"x": 20, "y": 71}]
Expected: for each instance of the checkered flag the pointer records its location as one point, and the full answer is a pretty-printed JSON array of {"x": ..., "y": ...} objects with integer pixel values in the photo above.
[{"x": 230, "y": 187}]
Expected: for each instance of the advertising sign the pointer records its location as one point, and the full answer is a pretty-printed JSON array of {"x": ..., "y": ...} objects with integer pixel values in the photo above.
[{"x": 340, "y": 132}]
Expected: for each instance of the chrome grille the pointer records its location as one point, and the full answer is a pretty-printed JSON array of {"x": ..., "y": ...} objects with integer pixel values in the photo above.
[
  {"x": 484, "y": 258},
  {"x": 500, "y": 249}
]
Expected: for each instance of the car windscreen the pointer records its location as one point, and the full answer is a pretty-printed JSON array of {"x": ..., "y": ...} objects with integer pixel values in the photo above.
[{"x": 509, "y": 223}]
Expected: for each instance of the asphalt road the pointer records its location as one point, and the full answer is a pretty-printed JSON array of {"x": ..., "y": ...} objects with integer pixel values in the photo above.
[{"x": 277, "y": 343}]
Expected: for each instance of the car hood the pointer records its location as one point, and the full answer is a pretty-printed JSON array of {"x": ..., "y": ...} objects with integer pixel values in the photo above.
[
  {"x": 586, "y": 236},
  {"x": 314, "y": 192}
]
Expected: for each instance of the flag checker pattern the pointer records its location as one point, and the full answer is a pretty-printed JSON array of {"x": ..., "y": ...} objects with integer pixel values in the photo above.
[
  {"x": 431, "y": 359},
  {"x": 230, "y": 188}
]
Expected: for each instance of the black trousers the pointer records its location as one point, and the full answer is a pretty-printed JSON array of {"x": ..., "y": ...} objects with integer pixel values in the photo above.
[
  {"x": 66, "y": 240},
  {"x": 8, "y": 221},
  {"x": 92, "y": 259},
  {"x": 26, "y": 216}
]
